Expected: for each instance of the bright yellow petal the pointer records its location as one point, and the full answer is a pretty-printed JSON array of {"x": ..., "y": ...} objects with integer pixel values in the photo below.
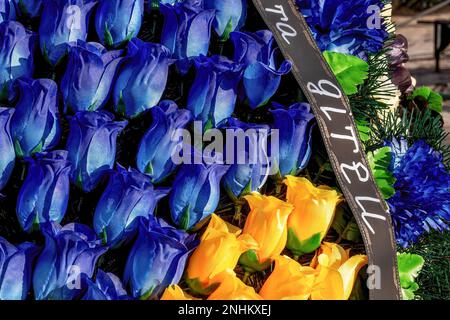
[
  {"x": 232, "y": 288},
  {"x": 288, "y": 281},
  {"x": 314, "y": 207},
  {"x": 266, "y": 223},
  {"x": 174, "y": 292},
  {"x": 349, "y": 271}
]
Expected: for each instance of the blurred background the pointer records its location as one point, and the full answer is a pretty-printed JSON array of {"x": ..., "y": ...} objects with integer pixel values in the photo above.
[{"x": 416, "y": 20}]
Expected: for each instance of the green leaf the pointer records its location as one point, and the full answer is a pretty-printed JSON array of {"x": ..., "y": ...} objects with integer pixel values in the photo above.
[
  {"x": 409, "y": 266},
  {"x": 349, "y": 70},
  {"x": 433, "y": 98},
  {"x": 380, "y": 161},
  {"x": 345, "y": 225},
  {"x": 299, "y": 247},
  {"x": 364, "y": 130},
  {"x": 228, "y": 29},
  {"x": 185, "y": 218},
  {"x": 250, "y": 262},
  {"x": 108, "y": 36}
]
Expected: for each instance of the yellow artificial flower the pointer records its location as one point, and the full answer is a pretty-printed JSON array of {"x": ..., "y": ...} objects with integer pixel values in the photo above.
[
  {"x": 337, "y": 272},
  {"x": 232, "y": 288},
  {"x": 312, "y": 216},
  {"x": 266, "y": 223},
  {"x": 219, "y": 250},
  {"x": 289, "y": 281},
  {"x": 174, "y": 292}
]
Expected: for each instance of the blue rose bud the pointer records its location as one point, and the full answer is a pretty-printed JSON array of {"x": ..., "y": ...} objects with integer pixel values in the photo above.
[
  {"x": 70, "y": 254},
  {"x": 7, "y": 10},
  {"x": 155, "y": 152},
  {"x": 262, "y": 75},
  {"x": 118, "y": 21},
  {"x": 186, "y": 30},
  {"x": 230, "y": 15},
  {"x": 295, "y": 125},
  {"x": 142, "y": 79},
  {"x": 87, "y": 82},
  {"x": 7, "y": 153},
  {"x": 106, "y": 286},
  {"x": 92, "y": 147},
  {"x": 157, "y": 259},
  {"x": 250, "y": 170},
  {"x": 45, "y": 192},
  {"x": 63, "y": 22},
  {"x": 213, "y": 94},
  {"x": 129, "y": 195},
  {"x": 29, "y": 8},
  {"x": 16, "y": 56},
  {"x": 195, "y": 193},
  {"x": 35, "y": 125},
  {"x": 16, "y": 269}
]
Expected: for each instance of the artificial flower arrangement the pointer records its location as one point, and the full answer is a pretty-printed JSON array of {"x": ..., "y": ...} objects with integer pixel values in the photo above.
[{"x": 93, "y": 204}]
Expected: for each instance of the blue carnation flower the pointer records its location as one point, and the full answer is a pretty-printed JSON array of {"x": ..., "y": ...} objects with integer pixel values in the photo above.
[
  {"x": 342, "y": 25},
  {"x": 422, "y": 199}
]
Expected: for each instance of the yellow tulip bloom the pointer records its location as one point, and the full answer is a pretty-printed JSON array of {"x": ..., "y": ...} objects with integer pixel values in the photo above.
[
  {"x": 289, "y": 281},
  {"x": 337, "y": 272},
  {"x": 174, "y": 292},
  {"x": 312, "y": 216},
  {"x": 267, "y": 224},
  {"x": 232, "y": 288},
  {"x": 219, "y": 250}
]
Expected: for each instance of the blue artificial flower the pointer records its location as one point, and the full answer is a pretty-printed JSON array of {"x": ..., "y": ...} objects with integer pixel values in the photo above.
[
  {"x": 7, "y": 153},
  {"x": 155, "y": 152},
  {"x": 422, "y": 199},
  {"x": 118, "y": 21},
  {"x": 7, "y": 10},
  {"x": 230, "y": 15},
  {"x": 250, "y": 168},
  {"x": 16, "y": 56},
  {"x": 29, "y": 8},
  {"x": 63, "y": 22},
  {"x": 142, "y": 79},
  {"x": 16, "y": 269},
  {"x": 195, "y": 193},
  {"x": 129, "y": 195},
  {"x": 45, "y": 192},
  {"x": 87, "y": 82},
  {"x": 70, "y": 253},
  {"x": 212, "y": 97},
  {"x": 295, "y": 126},
  {"x": 157, "y": 259},
  {"x": 106, "y": 286},
  {"x": 343, "y": 25},
  {"x": 187, "y": 30},
  {"x": 262, "y": 76},
  {"x": 35, "y": 124},
  {"x": 92, "y": 146}
]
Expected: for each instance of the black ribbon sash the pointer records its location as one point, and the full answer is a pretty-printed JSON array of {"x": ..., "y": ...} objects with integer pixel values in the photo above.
[{"x": 337, "y": 125}]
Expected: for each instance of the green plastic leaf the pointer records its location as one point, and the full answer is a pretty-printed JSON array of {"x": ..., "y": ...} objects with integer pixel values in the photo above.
[
  {"x": 250, "y": 262},
  {"x": 364, "y": 130},
  {"x": 433, "y": 98},
  {"x": 409, "y": 266},
  {"x": 349, "y": 70},
  {"x": 299, "y": 247},
  {"x": 345, "y": 225},
  {"x": 380, "y": 161}
]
